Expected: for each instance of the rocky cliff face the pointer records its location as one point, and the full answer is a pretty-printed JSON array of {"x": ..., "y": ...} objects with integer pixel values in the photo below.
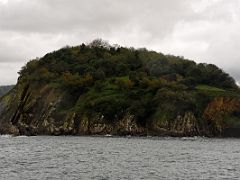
[
  {"x": 34, "y": 113},
  {"x": 30, "y": 111},
  {"x": 218, "y": 110},
  {"x": 185, "y": 125}
]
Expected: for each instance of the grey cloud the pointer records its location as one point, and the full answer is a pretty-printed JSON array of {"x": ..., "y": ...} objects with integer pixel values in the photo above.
[
  {"x": 203, "y": 30},
  {"x": 8, "y": 72},
  {"x": 58, "y": 16}
]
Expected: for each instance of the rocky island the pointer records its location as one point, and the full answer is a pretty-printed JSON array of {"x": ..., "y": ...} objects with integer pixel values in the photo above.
[{"x": 98, "y": 89}]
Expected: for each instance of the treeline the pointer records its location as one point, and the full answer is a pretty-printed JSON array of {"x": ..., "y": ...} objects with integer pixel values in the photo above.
[{"x": 99, "y": 60}]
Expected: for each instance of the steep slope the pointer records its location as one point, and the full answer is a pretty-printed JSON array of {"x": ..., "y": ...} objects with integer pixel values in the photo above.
[{"x": 103, "y": 89}]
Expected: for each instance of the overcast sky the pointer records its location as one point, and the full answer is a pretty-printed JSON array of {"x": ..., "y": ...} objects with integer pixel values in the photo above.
[{"x": 201, "y": 30}]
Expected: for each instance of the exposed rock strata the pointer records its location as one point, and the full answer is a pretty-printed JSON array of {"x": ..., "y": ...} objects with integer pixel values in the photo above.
[{"x": 35, "y": 113}]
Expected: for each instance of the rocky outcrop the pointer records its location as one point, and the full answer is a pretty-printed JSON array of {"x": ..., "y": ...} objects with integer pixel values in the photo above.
[
  {"x": 185, "y": 125},
  {"x": 218, "y": 109},
  {"x": 29, "y": 111},
  {"x": 96, "y": 125}
]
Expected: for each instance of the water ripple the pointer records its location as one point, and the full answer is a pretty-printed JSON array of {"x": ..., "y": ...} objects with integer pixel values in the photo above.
[{"x": 46, "y": 157}]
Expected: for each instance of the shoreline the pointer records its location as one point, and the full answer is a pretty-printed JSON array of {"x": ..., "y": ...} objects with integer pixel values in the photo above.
[{"x": 125, "y": 136}]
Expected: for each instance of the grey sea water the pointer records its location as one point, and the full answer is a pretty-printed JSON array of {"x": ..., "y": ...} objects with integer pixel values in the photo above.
[{"x": 47, "y": 157}]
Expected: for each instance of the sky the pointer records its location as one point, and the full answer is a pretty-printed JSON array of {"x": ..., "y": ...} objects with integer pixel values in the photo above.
[{"x": 201, "y": 30}]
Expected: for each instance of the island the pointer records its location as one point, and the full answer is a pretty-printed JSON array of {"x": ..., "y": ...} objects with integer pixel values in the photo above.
[{"x": 99, "y": 89}]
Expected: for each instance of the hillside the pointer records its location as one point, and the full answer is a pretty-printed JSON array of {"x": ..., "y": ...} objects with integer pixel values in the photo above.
[
  {"x": 103, "y": 89},
  {"x": 5, "y": 89}
]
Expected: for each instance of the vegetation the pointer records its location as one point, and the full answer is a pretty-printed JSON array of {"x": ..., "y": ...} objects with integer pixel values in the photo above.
[{"x": 112, "y": 81}]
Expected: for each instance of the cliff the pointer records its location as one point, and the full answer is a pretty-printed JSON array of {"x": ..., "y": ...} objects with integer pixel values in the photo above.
[{"x": 103, "y": 89}]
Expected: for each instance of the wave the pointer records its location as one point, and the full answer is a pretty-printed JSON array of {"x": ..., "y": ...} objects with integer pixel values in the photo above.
[
  {"x": 6, "y": 136},
  {"x": 108, "y": 135}
]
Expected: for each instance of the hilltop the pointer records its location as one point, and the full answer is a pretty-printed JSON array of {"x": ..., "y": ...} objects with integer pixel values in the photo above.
[{"x": 104, "y": 89}]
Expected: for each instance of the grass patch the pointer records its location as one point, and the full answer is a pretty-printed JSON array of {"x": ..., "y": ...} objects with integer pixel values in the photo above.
[
  {"x": 209, "y": 88},
  {"x": 214, "y": 91}
]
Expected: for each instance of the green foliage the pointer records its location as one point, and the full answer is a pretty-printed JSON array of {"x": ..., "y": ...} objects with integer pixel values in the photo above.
[
  {"x": 232, "y": 119},
  {"x": 124, "y": 83},
  {"x": 111, "y": 81},
  {"x": 214, "y": 91},
  {"x": 75, "y": 82},
  {"x": 209, "y": 88},
  {"x": 108, "y": 103},
  {"x": 177, "y": 101}
]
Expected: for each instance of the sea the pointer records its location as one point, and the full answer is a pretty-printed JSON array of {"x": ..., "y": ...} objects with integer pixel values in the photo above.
[{"x": 109, "y": 157}]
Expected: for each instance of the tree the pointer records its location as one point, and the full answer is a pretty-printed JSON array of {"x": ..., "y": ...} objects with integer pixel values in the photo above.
[
  {"x": 99, "y": 43},
  {"x": 159, "y": 67}
]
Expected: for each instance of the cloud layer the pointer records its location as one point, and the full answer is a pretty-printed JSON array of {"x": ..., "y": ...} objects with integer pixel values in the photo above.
[{"x": 202, "y": 30}]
